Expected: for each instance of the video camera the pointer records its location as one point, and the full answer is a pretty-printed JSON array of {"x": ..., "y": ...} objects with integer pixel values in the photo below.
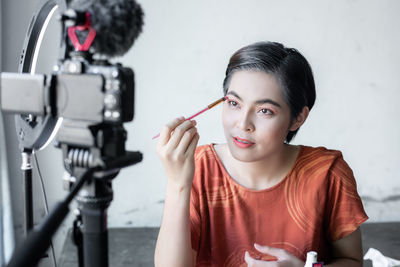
[
  {"x": 92, "y": 98},
  {"x": 87, "y": 94}
]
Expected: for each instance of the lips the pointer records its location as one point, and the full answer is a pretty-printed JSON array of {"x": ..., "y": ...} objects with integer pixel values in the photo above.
[{"x": 242, "y": 143}]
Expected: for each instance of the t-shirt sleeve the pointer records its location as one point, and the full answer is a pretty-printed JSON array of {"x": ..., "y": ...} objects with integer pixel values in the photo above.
[{"x": 345, "y": 209}]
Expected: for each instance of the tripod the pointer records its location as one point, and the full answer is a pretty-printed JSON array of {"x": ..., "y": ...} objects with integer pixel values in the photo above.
[
  {"x": 92, "y": 167},
  {"x": 90, "y": 226},
  {"x": 90, "y": 233}
]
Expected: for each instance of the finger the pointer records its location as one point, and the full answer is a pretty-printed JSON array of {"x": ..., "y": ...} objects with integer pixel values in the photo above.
[
  {"x": 253, "y": 262},
  {"x": 247, "y": 258},
  {"x": 277, "y": 252},
  {"x": 192, "y": 146},
  {"x": 177, "y": 134},
  {"x": 168, "y": 129},
  {"x": 186, "y": 140}
]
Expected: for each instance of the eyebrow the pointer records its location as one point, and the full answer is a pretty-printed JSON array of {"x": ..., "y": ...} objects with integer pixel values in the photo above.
[{"x": 261, "y": 101}]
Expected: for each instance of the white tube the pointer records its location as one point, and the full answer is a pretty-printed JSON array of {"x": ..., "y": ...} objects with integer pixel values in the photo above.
[{"x": 311, "y": 258}]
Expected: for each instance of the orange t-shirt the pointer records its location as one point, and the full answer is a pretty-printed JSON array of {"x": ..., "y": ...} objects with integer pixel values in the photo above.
[{"x": 315, "y": 204}]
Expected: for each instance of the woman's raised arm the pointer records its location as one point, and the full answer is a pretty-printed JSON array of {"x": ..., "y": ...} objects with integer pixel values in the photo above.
[{"x": 176, "y": 147}]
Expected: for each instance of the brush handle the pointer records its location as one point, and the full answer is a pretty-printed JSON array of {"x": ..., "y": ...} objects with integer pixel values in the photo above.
[
  {"x": 201, "y": 111},
  {"x": 197, "y": 114},
  {"x": 191, "y": 117}
]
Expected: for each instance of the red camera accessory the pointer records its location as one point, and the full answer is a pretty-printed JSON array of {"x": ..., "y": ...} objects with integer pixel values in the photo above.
[
  {"x": 318, "y": 264},
  {"x": 89, "y": 38}
]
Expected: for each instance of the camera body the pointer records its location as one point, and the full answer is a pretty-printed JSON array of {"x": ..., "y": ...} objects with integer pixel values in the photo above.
[
  {"x": 93, "y": 91},
  {"x": 94, "y": 98},
  {"x": 88, "y": 94}
]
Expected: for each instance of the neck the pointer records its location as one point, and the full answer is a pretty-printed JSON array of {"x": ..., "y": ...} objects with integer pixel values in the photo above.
[{"x": 266, "y": 172}]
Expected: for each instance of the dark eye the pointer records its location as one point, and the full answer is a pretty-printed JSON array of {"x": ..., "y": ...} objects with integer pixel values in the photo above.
[
  {"x": 233, "y": 103},
  {"x": 266, "y": 111}
]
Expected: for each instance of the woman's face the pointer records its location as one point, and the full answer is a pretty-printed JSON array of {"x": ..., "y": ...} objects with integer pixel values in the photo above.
[{"x": 256, "y": 118}]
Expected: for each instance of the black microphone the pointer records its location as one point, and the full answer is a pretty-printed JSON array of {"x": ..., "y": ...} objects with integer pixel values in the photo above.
[{"x": 117, "y": 23}]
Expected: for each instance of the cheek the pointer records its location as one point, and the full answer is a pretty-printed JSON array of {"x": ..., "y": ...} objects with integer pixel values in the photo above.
[
  {"x": 230, "y": 117},
  {"x": 226, "y": 118},
  {"x": 272, "y": 129}
]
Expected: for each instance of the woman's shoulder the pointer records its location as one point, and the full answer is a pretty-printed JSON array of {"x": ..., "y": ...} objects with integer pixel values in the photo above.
[
  {"x": 207, "y": 166},
  {"x": 320, "y": 153},
  {"x": 321, "y": 158},
  {"x": 323, "y": 166},
  {"x": 203, "y": 151},
  {"x": 206, "y": 156}
]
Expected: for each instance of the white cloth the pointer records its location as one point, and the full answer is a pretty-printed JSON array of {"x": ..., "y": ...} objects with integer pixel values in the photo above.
[{"x": 379, "y": 260}]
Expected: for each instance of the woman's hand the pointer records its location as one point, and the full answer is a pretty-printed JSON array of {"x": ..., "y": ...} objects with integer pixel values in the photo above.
[
  {"x": 284, "y": 258},
  {"x": 176, "y": 146}
]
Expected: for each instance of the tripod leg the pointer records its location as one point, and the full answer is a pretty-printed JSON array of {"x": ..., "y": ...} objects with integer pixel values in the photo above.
[
  {"x": 77, "y": 238},
  {"x": 95, "y": 238},
  {"x": 93, "y": 203}
]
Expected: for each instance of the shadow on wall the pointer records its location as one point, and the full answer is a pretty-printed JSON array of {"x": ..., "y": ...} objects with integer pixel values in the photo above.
[{"x": 382, "y": 210}]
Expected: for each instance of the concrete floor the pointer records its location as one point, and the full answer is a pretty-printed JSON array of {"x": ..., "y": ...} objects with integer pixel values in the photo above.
[
  {"x": 135, "y": 246},
  {"x": 132, "y": 247}
]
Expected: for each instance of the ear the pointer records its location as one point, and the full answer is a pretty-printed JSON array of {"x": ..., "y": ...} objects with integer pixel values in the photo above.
[{"x": 301, "y": 118}]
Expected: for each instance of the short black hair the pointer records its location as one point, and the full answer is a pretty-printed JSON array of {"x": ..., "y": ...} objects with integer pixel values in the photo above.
[{"x": 289, "y": 67}]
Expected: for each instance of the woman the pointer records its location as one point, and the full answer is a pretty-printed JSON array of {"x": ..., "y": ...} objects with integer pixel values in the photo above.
[{"x": 257, "y": 200}]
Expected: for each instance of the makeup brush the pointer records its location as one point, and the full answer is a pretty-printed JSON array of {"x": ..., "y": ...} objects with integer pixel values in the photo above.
[{"x": 201, "y": 111}]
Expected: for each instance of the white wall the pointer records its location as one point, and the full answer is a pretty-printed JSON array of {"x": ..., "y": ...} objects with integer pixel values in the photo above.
[
  {"x": 352, "y": 46},
  {"x": 179, "y": 62}
]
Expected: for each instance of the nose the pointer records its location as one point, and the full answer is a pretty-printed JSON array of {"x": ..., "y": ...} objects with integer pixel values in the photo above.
[{"x": 245, "y": 122}]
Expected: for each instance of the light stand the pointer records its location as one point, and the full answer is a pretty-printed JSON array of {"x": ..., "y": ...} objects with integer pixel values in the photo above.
[
  {"x": 26, "y": 169},
  {"x": 34, "y": 131}
]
